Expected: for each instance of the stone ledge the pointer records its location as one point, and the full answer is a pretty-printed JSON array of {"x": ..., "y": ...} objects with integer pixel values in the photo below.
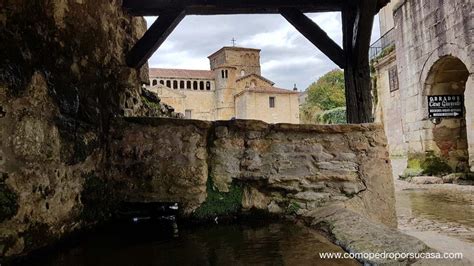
[{"x": 357, "y": 234}]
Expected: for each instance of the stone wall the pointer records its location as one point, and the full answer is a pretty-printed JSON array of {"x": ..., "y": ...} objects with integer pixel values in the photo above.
[
  {"x": 389, "y": 110},
  {"x": 427, "y": 33},
  {"x": 63, "y": 77},
  {"x": 281, "y": 168}
]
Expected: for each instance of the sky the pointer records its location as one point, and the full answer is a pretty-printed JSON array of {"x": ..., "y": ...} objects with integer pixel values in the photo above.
[{"x": 287, "y": 57}]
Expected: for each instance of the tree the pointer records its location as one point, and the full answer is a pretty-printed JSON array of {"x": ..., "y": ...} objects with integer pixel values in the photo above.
[
  {"x": 328, "y": 92},
  {"x": 326, "y": 100}
]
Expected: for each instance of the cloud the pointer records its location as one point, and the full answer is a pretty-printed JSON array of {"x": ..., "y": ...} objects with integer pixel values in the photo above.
[{"x": 287, "y": 57}]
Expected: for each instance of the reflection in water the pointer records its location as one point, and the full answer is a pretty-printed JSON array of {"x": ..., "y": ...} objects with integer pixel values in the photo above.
[{"x": 155, "y": 244}]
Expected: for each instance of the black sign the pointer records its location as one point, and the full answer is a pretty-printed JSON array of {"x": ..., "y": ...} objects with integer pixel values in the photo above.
[{"x": 446, "y": 106}]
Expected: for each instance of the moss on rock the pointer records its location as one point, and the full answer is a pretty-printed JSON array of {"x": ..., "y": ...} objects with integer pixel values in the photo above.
[
  {"x": 220, "y": 203},
  {"x": 425, "y": 164},
  {"x": 98, "y": 199}
]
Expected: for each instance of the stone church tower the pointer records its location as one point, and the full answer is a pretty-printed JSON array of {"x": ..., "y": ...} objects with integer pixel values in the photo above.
[{"x": 228, "y": 65}]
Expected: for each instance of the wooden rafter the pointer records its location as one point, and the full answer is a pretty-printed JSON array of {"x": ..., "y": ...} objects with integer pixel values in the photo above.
[
  {"x": 216, "y": 7},
  {"x": 315, "y": 35},
  {"x": 154, "y": 38}
]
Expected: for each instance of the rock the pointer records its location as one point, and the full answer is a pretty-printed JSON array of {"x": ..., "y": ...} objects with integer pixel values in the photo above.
[
  {"x": 312, "y": 196},
  {"x": 274, "y": 208},
  {"x": 452, "y": 177},
  {"x": 252, "y": 198},
  {"x": 425, "y": 180},
  {"x": 357, "y": 234},
  {"x": 464, "y": 182}
]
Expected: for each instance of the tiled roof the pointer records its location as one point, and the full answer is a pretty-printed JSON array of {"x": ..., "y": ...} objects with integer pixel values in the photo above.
[
  {"x": 258, "y": 76},
  {"x": 269, "y": 90},
  {"x": 181, "y": 73}
]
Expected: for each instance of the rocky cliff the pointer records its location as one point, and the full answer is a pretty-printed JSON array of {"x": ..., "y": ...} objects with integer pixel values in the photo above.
[{"x": 63, "y": 78}]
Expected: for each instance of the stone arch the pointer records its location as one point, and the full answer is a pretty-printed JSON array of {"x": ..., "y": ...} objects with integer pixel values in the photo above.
[
  {"x": 195, "y": 85},
  {"x": 188, "y": 85},
  {"x": 449, "y": 76},
  {"x": 162, "y": 82},
  {"x": 155, "y": 82},
  {"x": 201, "y": 85},
  {"x": 181, "y": 84},
  {"x": 175, "y": 84},
  {"x": 208, "y": 85},
  {"x": 168, "y": 84}
]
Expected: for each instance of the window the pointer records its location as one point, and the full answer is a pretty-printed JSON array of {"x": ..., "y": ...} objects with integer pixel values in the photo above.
[
  {"x": 188, "y": 114},
  {"x": 208, "y": 86},
  {"x": 226, "y": 73},
  {"x": 393, "y": 78},
  {"x": 272, "y": 102},
  {"x": 155, "y": 82},
  {"x": 201, "y": 85},
  {"x": 175, "y": 84},
  {"x": 195, "y": 85},
  {"x": 168, "y": 84},
  {"x": 188, "y": 85},
  {"x": 223, "y": 74},
  {"x": 181, "y": 84},
  {"x": 162, "y": 82}
]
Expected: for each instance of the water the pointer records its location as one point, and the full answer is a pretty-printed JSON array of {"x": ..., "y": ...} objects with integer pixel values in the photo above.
[
  {"x": 441, "y": 210},
  {"x": 252, "y": 243},
  {"x": 442, "y": 206}
]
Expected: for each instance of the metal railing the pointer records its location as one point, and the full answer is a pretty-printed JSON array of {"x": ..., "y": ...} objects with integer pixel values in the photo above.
[{"x": 387, "y": 40}]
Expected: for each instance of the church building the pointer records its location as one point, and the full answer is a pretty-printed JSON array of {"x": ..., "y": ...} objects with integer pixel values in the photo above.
[{"x": 233, "y": 89}]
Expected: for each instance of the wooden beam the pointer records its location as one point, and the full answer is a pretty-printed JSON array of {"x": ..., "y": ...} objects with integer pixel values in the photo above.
[
  {"x": 357, "y": 29},
  {"x": 154, "y": 38},
  {"x": 315, "y": 35},
  {"x": 217, "y": 7}
]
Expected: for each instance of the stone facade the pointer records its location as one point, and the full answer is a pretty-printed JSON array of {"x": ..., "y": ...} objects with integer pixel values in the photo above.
[
  {"x": 233, "y": 88},
  {"x": 434, "y": 56}
]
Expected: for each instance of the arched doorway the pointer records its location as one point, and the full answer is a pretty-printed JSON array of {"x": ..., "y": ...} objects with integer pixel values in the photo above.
[{"x": 448, "y": 76}]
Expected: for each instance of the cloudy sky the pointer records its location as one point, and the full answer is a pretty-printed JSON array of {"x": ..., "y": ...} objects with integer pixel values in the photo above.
[{"x": 287, "y": 57}]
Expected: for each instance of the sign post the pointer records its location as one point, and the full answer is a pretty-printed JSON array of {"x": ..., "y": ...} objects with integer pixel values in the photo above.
[{"x": 446, "y": 106}]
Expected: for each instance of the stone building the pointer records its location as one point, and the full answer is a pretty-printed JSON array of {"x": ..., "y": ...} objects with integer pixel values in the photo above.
[
  {"x": 233, "y": 88},
  {"x": 426, "y": 49}
]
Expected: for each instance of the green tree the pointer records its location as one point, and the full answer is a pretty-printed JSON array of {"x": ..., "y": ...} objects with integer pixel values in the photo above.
[
  {"x": 328, "y": 92},
  {"x": 326, "y": 100}
]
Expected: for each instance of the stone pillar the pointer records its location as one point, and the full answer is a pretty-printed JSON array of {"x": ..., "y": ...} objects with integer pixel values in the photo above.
[{"x": 469, "y": 104}]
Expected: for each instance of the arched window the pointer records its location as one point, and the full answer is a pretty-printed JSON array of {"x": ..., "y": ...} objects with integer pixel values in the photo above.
[
  {"x": 195, "y": 85},
  {"x": 175, "y": 84},
  {"x": 208, "y": 85},
  {"x": 253, "y": 83},
  {"x": 162, "y": 82},
  {"x": 188, "y": 85},
  {"x": 226, "y": 74},
  {"x": 168, "y": 84},
  {"x": 181, "y": 84},
  {"x": 201, "y": 85},
  {"x": 223, "y": 74},
  {"x": 155, "y": 82}
]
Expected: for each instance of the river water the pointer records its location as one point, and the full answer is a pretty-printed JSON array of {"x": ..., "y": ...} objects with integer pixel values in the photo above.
[{"x": 250, "y": 243}]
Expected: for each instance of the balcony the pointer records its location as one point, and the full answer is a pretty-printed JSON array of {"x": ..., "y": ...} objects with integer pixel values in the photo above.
[{"x": 387, "y": 40}]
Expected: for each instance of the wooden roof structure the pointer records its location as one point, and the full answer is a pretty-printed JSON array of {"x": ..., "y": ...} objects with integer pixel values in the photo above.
[{"x": 357, "y": 20}]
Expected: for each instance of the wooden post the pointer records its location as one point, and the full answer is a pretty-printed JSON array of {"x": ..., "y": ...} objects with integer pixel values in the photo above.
[{"x": 357, "y": 29}]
